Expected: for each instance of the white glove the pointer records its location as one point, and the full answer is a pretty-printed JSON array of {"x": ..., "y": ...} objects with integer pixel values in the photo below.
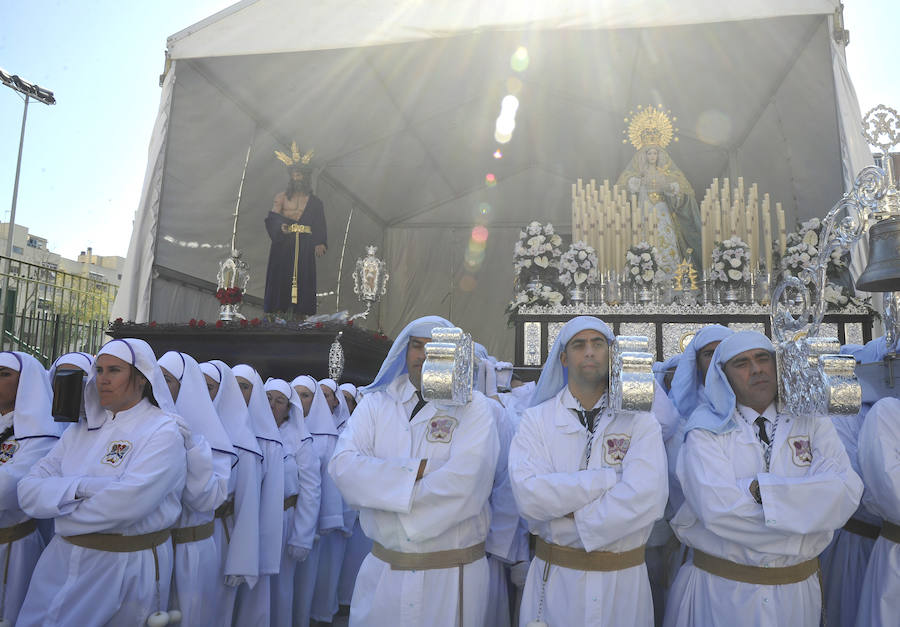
[
  {"x": 89, "y": 486},
  {"x": 676, "y": 188},
  {"x": 185, "y": 433},
  {"x": 297, "y": 553},
  {"x": 234, "y": 580},
  {"x": 518, "y": 572},
  {"x": 490, "y": 382}
]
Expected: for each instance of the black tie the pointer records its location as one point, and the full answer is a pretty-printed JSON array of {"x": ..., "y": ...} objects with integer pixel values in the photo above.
[
  {"x": 587, "y": 417},
  {"x": 761, "y": 423},
  {"x": 422, "y": 402}
]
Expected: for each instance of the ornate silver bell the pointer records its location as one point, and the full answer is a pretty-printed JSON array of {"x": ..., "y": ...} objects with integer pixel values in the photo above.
[{"x": 883, "y": 272}]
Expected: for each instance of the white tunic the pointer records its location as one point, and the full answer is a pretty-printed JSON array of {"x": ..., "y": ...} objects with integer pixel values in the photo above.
[
  {"x": 375, "y": 466},
  {"x": 133, "y": 469},
  {"x": 197, "y": 563},
  {"x": 16, "y": 459},
  {"x": 501, "y": 543},
  {"x": 809, "y": 491},
  {"x": 879, "y": 459},
  {"x": 302, "y": 478},
  {"x": 615, "y": 500},
  {"x": 844, "y": 561}
]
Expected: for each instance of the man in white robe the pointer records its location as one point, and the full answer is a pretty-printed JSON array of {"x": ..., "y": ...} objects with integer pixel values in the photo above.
[
  {"x": 420, "y": 474},
  {"x": 879, "y": 443},
  {"x": 764, "y": 492},
  {"x": 845, "y": 560},
  {"x": 591, "y": 481}
]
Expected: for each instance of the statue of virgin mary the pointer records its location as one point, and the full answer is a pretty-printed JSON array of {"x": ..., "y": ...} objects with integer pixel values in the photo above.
[{"x": 662, "y": 189}]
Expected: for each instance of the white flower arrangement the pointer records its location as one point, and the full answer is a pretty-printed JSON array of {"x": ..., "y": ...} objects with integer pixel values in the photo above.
[
  {"x": 836, "y": 296},
  {"x": 802, "y": 247},
  {"x": 641, "y": 266},
  {"x": 542, "y": 295},
  {"x": 537, "y": 250},
  {"x": 577, "y": 265},
  {"x": 731, "y": 263}
]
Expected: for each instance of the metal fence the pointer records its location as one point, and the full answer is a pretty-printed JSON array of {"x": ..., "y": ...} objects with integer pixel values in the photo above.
[{"x": 47, "y": 312}]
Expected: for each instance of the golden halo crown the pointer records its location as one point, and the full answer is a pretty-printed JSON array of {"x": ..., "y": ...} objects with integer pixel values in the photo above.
[
  {"x": 650, "y": 126},
  {"x": 295, "y": 158}
]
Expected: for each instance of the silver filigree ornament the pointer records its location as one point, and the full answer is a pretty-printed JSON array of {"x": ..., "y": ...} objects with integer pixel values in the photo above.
[
  {"x": 233, "y": 273},
  {"x": 449, "y": 369},
  {"x": 370, "y": 280},
  {"x": 631, "y": 383},
  {"x": 336, "y": 358},
  {"x": 813, "y": 380}
]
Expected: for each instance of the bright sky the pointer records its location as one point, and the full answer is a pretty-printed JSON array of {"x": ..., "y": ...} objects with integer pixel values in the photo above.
[{"x": 84, "y": 158}]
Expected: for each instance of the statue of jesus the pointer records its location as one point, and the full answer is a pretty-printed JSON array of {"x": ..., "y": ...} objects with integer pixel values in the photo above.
[{"x": 296, "y": 226}]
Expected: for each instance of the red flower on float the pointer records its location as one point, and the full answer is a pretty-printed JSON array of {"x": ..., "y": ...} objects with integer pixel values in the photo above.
[{"x": 230, "y": 295}]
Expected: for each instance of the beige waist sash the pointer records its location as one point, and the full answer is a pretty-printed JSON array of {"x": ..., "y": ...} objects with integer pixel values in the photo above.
[
  {"x": 760, "y": 575},
  {"x": 428, "y": 561},
  {"x": 193, "y": 534},
  {"x": 225, "y": 509},
  {"x": 864, "y": 529},
  {"x": 578, "y": 559},
  {"x": 453, "y": 558},
  {"x": 891, "y": 531},
  {"x": 116, "y": 543},
  {"x": 17, "y": 532}
]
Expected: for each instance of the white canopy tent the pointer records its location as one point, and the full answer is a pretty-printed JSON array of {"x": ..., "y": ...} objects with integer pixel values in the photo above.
[{"x": 399, "y": 97}]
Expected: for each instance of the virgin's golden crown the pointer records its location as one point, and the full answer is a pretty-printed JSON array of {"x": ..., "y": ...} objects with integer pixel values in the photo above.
[{"x": 650, "y": 126}]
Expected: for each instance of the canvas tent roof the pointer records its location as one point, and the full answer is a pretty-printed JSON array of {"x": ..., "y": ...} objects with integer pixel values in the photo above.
[{"x": 399, "y": 99}]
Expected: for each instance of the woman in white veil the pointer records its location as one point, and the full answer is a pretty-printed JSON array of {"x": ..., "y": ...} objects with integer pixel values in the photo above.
[
  {"x": 209, "y": 462},
  {"x": 113, "y": 485},
  {"x": 302, "y": 494},
  {"x": 237, "y": 520},
  {"x": 253, "y": 606},
  {"x": 27, "y": 433}
]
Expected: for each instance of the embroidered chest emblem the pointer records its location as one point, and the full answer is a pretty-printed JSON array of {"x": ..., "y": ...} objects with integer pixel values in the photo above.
[
  {"x": 116, "y": 452},
  {"x": 801, "y": 452},
  {"x": 7, "y": 450},
  {"x": 440, "y": 429},
  {"x": 614, "y": 448}
]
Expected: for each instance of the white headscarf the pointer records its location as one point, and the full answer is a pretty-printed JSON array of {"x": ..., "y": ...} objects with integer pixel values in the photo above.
[
  {"x": 138, "y": 354},
  {"x": 34, "y": 398},
  {"x": 554, "y": 377},
  {"x": 194, "y": 404},
  {"x": 342, "y": 413},
  {"x": 320, "y": 420},
  {"x": 349, "y": 387},
  {"x": 395, "y": 363},
  {"x": 716, "y": 413},
  {"x": 485, "y": 379},
  {"x": 231, "y": 407},
  {"x": 264, "y": 425},
  {"x": 687, "y": 389},
  {"x": 83, "y": 360},
  {"x": 294, "y": 430}
]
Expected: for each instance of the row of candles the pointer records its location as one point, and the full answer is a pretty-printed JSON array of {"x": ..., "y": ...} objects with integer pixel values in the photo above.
[
  {"x": 610, "y": 220},
  {"x": 727, "y": 212}
]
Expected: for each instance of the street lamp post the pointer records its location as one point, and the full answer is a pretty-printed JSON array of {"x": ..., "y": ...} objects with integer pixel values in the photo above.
[{"x": 29, "y": 90}]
